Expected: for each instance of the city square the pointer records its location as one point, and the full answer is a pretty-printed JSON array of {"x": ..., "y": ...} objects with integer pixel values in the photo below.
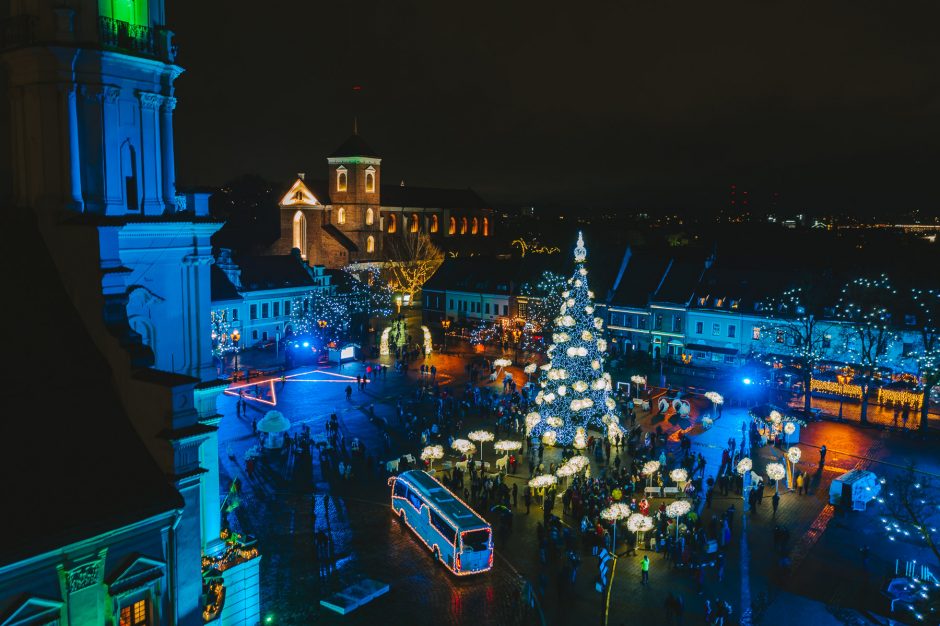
[{"x": 489, "y": 316}]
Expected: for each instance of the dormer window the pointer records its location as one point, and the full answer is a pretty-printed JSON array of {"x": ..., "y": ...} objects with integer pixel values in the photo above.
[
  {"x": 370, "y": 179},
  {"x": 341, "y": 178},
  {"x": 719, "y": 302}
]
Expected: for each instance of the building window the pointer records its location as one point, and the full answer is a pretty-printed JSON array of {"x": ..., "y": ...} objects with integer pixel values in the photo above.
[
  {"x": 341, "y": 215},
  {"x": 254, "y": 335},
  {"x": 392, "y": 222},
  {"x": 451, "y": 304},
  {"x": 658, "y": 322},
  {"x": 486, "y": 227},
  {"x": 716, "y": 329},
  {"x": 827, "y": 341},
  {"x": 780, "y": 337},
  {"x": 276, "y": 309},
  {"x": 452, "y": 229},
  {"x": 731, "y": 331},
  {"x": 463, "y": 226},
  {"x": 370, "y": 244},
  {"x": 699, "y": 328},
  {"x": 341, "y": 178},
  {"x": 487, "y": 308},
  {"x": 300, "y": 234},
  {"x": 136, "y": 614},
  {"x": 729, "y": 359},
  {"x": 370, "y": 216},
  {"x": 253, "y": 311},
  {"x": 523, "y": 309},
  {"x": 755, "y": 333},
  {"x": 264, "y": 310},
  {"x": 370, "y": 179},
  {"x": 677, "y": 323},
  {"x": 414, "y": 222},
  {"x": 475, "y": 228},
  {"x": 434, "y": 225},
  {"x": 234, "y": 315},
  {"x": 641, "y": 322},
  {"x": 286, "y": 308},
  {"x": 505, "y": 309}
]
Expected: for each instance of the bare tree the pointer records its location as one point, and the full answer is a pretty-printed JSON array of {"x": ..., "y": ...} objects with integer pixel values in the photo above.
[
  {"x": 928, "y": 358},
  {"x": 863, "y": 310},
  {"x": 794, "y": 328},
  {"x": 413, "y": 259},
  {"x": 911, "y": 502}
]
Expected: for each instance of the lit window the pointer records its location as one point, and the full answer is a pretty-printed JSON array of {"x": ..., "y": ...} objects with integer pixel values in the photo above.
[
  {"x": 341, "y": 216},
  {"x": 463, "y": 226},
  {"x": 476, "y": 227},
  {"x": 699, "y": 328},
  {"x": 135, "y": 615},
  {"x": 370, "y": 180},
  {"x": 392, "y": 222},
  {"x": 300, "y": 234},
  {"x": 370, "y": 217},
  {"x": 433, "y": 227},
  {"x": 370, "y": 244},
  {"x": 486, "y": 227},
  {"x": 755, "y": 332},
  {"x": 716, "y": 329},
  {"x": 414, "y": 222},
  {"x": 452, "y": 229},
  {"x": 341, "y": 178}
]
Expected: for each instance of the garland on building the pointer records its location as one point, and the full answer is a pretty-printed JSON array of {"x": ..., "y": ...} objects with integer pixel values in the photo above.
[
  {"x": 575, "y": 391},
  {"x": 221, "y": 333}
]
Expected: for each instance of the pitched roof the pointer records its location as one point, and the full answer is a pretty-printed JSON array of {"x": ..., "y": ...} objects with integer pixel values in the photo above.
[
  {"x": 431, "y": 198},
  {"x": 355, "y": 146},
  {"x": 77, "y": 468},
  {"x": 722, "y": 285},
  {"x": 680, "y": 283},
  {"x": 222, "y": 287},
  {"x": 340, "y": 237},
  {"x": 273, "y": 272},
  {"x": 640, "y": 279},
  {"x": 299, "y": 195}
]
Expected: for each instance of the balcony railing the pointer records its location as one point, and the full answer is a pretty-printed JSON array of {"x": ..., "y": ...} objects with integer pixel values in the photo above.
[
  {"x": 17, "y": 31},
  {"x": 136, "y": 39}
]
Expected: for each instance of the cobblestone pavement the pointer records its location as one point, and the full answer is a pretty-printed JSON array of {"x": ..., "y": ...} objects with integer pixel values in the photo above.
[{"x": 277, "y": 508}]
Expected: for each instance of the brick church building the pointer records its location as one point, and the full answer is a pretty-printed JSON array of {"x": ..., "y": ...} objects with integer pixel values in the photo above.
[{"x": 350, "y": 217}]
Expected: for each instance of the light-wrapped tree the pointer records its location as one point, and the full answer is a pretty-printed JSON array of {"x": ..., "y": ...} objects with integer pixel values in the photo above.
[{"x": 575, "y": 391}]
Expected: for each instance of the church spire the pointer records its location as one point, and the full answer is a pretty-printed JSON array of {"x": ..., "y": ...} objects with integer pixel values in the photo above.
[{"x": 355, "y": 125}]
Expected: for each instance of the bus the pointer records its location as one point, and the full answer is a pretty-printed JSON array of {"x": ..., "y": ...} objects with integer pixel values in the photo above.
[{"x": 452, "y": 531}]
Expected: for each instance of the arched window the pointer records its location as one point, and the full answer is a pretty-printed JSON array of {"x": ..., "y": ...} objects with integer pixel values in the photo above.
[
  {"x": 463, "y": 226},
  {"x": 370, "y": 244},
  {"x": 486, "y": 227},
  {"x": 370, "y": 179},
  {"x": 433, "y": 227},
  {"x": 392, "y": 222},
  {"x": 300, "y": 234},
  {"x": 341, "y": 215},
  {"x": 129, "y": 171},
  {"x": 476, "y": 227},
  {"x": 414, "y": 222},
  {"x": 452, "y": 229},
  {"x": 370, "y": 216},
  {"x": 341, "y": 178}
]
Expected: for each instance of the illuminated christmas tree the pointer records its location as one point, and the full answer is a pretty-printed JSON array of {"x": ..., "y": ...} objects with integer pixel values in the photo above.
[{"x": 575, "y": 391}]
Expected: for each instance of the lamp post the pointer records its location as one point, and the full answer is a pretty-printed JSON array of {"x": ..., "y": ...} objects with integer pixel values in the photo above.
[
  {"x": 236, "y": 337},
  {"x": 843, "y": 381},
  {"x": 445, "y": 326}
]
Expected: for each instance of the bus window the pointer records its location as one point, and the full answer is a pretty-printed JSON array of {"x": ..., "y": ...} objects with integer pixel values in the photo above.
[
  {"x": 476, "y": 540},
  {"x": 444, "y": 528},
  {"x": 401, "y": 490},
  {"x": 414, "y": 500}
]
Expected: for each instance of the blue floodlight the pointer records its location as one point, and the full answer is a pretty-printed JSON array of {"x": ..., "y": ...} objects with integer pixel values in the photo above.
[
  {"x": 306, "y": 344},
  {"x": 746, "y": 381}
]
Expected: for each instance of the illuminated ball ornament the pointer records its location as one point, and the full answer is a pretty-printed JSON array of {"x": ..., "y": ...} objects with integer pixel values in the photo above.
[
  {"x": 531, "y": 420},
  {"x": 589, "y": 310},
  {"x": 715, "y": 397},
  {"x": 602, "y": 345},
  {"x": 776, "y": 471},
  {"x": 775, "y": 417},
  {"x": 549, "y": 437},
  {"x": 616, "y": 511},
  {"x": 543, "y": 481},
  {"x": 678, "y": 508},
  {"x": 650, "y": 468},
  {"x": 530, "y": 368},
  {"x": 598, "y": 323},
  {"x": 794, "y": 454},
  {"x": 562, "y": 390},
  {"x": 507, "y": 446},
  {"x": 639, "y": 523},
  {"x": 587, "y": 335},
  {"x": 679, "y": 475},
  {"x": 789, "y": 428},
  {"x": 580, "y": 439},
  {"x": 579, "y": 386},
  {"x": 463, "y": 446},
  {"x": 745, "y": 465},
  {"x": 554, "y": 422},
  {"x": 582, "y": 271},
  {"x": 595, "y": 364}
]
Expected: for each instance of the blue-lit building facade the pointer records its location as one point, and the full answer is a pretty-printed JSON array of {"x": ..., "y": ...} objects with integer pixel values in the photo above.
[{"x": 91, "y": 92}]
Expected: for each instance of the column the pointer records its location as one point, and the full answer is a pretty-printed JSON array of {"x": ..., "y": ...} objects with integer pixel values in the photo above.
[
  {"x": 150, "y": 157},
  {"x": 71, "y": 167},
  {"x": 166, "y": 153}
]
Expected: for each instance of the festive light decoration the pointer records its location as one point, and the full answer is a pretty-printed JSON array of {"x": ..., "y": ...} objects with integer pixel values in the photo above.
[
  {"x": 580, "y": 439},
  {"x": 221, "y": 333},
  {"x": 530, "y": 368},
  {"x": 639, "y": 523},
  {"x": 616, "y": 511},
  {"x": 745, "y": 465},
  {"x": 636, "y": 379},
  {"x": 679, "y": 475},
  {"x": 573, "y": 370},
  {"x": 463, "y": 446},
  {"x": 565, "y": 471},
  {"x": 902, "y": 397},
  {"x": 427, "y": 340},
  {"x": 507, "y": 446},
  {"x": 715, "y": 397},
  {"x": 775, "y": 471},
  {"x": 828, "y": 386},
  {"x": 543, "y": 481},
  {"x": 678, "y": 508},
  {"x": 481, "y": 437},
  {"x": 650, "y": 468},
  {"x": 549, "y": 437},
  {"x": 502, "y": 363},
  {"x": 432, "y": 453},
  {"x": 707, "y": 422},
  {"x": 531, "y": 420},
  {"x": 789, "y": 428},
  {"x": 794, "y": 454}
]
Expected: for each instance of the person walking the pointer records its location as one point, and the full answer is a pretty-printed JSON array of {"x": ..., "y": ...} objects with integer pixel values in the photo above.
[
  {"x": 515, "y": 494},
  {"x": 800, "y": 483},
  {"x": 645, "y": 569},
  {"x": 720, "y": 566},
  {"x": 776, "y": 502},
  {"x": 527, "y": 498}
]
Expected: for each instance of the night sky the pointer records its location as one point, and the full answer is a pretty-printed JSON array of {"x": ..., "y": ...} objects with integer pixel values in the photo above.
[{"x": 626, "y": 105}]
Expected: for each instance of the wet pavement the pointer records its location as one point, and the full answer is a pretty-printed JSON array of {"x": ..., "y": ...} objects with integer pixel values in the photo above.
[{"x": 278, "y": 507}]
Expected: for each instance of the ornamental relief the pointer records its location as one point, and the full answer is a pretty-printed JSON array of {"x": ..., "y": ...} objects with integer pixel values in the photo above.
[{"x": 83, "y": 577}]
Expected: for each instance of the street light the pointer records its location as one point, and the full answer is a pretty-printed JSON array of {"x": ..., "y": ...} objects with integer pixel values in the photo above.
[
  {"x": 843, "y": 381},
  {"x": 445, "y": 325},
  {"x": 236, "y": 337}
]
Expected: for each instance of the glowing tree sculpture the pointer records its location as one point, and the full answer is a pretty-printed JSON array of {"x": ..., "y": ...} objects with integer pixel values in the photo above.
[{"x": 575, "y": 391}]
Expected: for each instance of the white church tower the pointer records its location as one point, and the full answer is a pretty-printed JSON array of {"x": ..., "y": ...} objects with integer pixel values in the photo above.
[{"x": 92, "y": 99}]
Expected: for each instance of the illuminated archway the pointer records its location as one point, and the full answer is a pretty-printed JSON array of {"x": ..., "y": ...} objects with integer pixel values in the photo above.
[
  {"x": 486, "y": 227},
  {"x": 452, "y": 229},
  {"x": 300, "y": 234},
  {"x": 475, "y": 228},
  {"x": 433, "y": 227},
  {"x": 370, "y": 244},
  {"x": 341, "y": 215},
  {"x": 463, "y": 226},
  {"x": 414, "y": 222},
  {"x": 370, "y": 216},
  {"x": 392, "y": 222}
]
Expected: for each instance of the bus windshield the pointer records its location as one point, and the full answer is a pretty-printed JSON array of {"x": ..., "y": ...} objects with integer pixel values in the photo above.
[{"x": 476, "y": 540}]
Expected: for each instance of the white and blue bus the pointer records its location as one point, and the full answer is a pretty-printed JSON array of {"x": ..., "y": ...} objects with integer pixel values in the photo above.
[{"x": 455, "y": 534}]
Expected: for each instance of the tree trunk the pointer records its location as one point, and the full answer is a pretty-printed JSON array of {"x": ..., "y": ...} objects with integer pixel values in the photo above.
[
  {"x": 925, "y": 408},
  {"x": 863, "y": 413}
]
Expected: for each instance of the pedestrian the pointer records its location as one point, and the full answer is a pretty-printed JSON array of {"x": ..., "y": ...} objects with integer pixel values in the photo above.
[
  {"x": 645, "y": 569},
  {"x": 776, "y": 502},
  {"x": 515, "y": 494},
  {"x": 527, "y": 498},
  {"x": 720, "y": 566},
  {"x": 800, "y": 483},
  {"x": 822, "y": 454}
]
